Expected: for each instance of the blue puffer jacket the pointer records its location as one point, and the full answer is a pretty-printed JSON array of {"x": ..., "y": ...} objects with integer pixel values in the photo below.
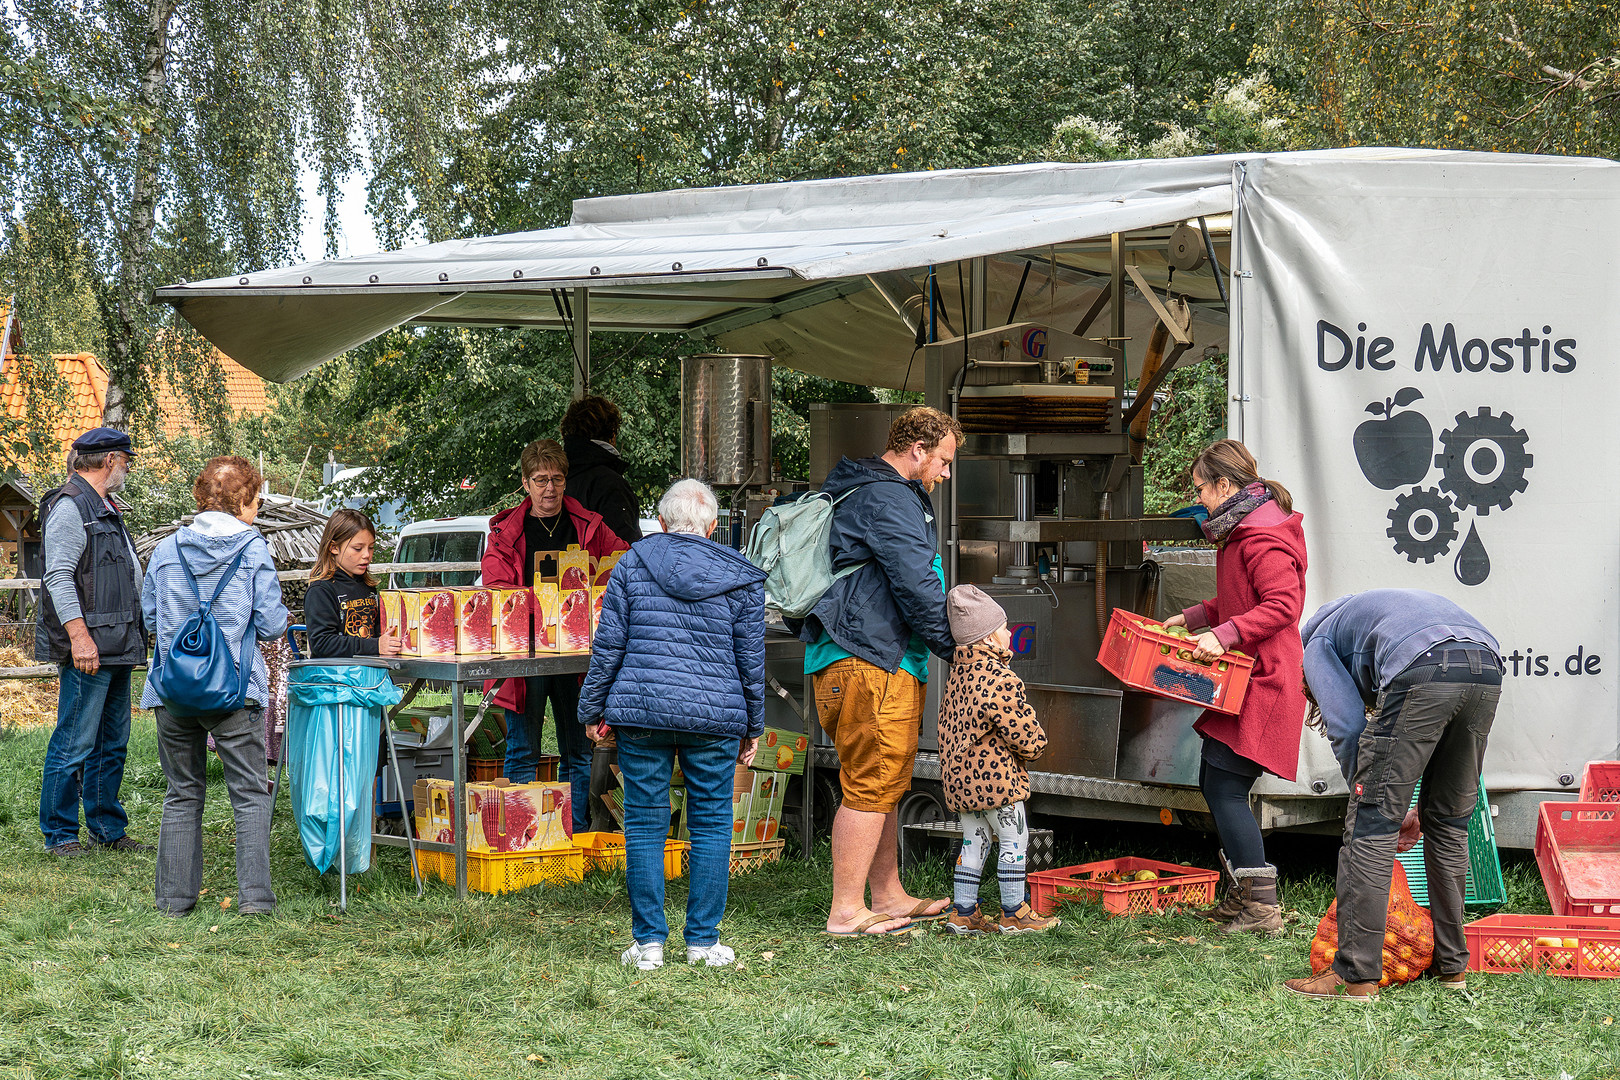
[
  {"x": 681, "y": 645},
  {"x": 889, "y": 524}
]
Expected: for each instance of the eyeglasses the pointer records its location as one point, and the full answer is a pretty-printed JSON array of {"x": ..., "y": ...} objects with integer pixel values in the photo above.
[{"x": 548, "y": 481}]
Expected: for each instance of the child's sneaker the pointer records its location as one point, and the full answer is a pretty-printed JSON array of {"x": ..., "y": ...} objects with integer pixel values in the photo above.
[
  {"x": 646, "y": 955},
  {"x": 1025, "y": 921},
  {"x": 973, "y": 922}
]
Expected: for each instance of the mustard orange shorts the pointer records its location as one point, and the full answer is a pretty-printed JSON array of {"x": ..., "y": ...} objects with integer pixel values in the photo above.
[{"x": 874, "y": 719}]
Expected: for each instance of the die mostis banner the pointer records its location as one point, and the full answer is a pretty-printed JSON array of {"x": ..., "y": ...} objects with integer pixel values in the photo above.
[{"x": 1425, "y": 355}]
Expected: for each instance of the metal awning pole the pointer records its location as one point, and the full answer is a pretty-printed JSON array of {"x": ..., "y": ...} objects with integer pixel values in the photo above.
[{"x": 582, "y": 343}]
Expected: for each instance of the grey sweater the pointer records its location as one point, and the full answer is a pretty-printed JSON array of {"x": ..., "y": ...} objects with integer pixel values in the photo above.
[
  {"x": 1356, "y": 644},
  {"x": 64, "y": 547}
]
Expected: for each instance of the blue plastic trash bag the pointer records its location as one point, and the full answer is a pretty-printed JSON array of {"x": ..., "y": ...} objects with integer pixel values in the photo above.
[{"x": 322, "y": 697}]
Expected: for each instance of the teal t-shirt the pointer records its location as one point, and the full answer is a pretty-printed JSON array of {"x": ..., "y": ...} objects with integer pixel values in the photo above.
[{"x": 823, "y": 652}]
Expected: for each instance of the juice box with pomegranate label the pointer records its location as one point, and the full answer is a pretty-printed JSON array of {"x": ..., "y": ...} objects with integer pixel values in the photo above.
[
  {"x": 574, "y": 620},
  {"x": 601, "y": 568},
  {"x": 514, "y": 633},
  {"x": 597, "y": 592},
  {"x": 475, "y": 621},
  {"x": 573, "y": 569},
  {"x": 546, "y": 603},
  {"x": 501, "y": 816},
  {"x": 391, "y": 618},
  {"x": 435, "y": 616}
]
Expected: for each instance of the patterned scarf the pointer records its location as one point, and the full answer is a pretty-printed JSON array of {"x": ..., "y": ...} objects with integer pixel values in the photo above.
[{"x": 1230, "y": 514}]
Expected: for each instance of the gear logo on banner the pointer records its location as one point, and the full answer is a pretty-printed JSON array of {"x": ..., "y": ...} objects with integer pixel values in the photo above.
[{"x": 1482, "y": 463}]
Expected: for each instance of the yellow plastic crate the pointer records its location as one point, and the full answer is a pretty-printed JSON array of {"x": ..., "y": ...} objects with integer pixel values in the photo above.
[
  {"x": 507, "y": 872},
  {"x": 604, "y": 851}
]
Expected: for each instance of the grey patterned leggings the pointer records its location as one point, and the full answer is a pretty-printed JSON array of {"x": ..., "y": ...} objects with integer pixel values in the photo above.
[{"x": 1010, "y": 830}]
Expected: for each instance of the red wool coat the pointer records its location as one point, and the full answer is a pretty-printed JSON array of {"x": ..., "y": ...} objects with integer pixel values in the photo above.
[
  {"x": 503, "y": 566},
  {"x": 1259, "y": 596}
]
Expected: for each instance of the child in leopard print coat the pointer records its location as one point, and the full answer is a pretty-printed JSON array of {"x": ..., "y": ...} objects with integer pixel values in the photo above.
[{"x": 987, "y": 731}]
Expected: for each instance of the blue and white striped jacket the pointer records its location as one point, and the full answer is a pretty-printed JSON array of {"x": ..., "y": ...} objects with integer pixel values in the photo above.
[{"x": 251, "y": 601}]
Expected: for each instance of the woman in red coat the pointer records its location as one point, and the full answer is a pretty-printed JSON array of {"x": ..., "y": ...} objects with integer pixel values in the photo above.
[{"x": 1259, "y": 594}]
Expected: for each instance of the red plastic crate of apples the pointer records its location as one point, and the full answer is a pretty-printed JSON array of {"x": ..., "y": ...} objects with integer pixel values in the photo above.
[
  {"x": 1553, "y": 944},
  {"x": 1143, "y": 655},
  {"x": 1123, "y": 886}
]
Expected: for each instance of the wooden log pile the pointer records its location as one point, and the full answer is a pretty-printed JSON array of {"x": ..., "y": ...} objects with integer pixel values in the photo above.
[{"x": 292, "y": 526}]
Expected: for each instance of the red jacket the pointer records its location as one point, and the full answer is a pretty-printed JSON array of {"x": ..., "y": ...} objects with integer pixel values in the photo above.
[
  {"x": 504, "y": 558},
  {"x": 1259, "y": 596}
]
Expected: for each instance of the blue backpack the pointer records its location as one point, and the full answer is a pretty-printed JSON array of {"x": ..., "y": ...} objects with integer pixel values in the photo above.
[{"x": 197, "y": 675}]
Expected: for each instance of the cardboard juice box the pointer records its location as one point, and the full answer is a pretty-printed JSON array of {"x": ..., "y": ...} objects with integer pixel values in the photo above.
[
  {"x": 391, "y": 617},
  {"x": 475, "y": 621},
  {"x": 546, "y": 605},
  {"x": 601, "y": 568},
  {"x": 574, "y": 620},
  {"x": 500, "y": 816},
  {"x": 742, "y": 801},
  {"x": 573, "y": 569},
  {"x": 434, "y": 613},
  {"x": 512, "y": 608},
  {"x": 782, "y": 751},
  {"x": 597, "y": 592},
  {"x": 765, "y": 807}
]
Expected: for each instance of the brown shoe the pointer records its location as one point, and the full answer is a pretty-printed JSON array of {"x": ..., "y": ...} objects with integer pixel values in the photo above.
[
  {"x": 1025, "y": 921},
  {"x": 1458, "y": 981},
  {"x": 1230, "y": 907},
  {"x": 1258, "y": 909},
  {"x": 68, "y": 849},
  {"x": 1329, "y": 985},
  {"x": 124, "y": 843},
  {"x": 968, "y": 925}
]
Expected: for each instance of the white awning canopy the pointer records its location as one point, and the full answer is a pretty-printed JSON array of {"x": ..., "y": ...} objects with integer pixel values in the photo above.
[{"x": 825, "y": 275}]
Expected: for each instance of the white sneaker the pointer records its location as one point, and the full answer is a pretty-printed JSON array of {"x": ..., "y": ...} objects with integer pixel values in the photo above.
[
  {"x": 646, "y": 955},
  {"x": 716, "y": 955}
]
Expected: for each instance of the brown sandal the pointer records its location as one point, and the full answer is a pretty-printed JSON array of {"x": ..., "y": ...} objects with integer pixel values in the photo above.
[{"x": 864, "y": 927}]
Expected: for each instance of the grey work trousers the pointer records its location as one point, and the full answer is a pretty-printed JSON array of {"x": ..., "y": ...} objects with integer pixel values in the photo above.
[
  {"x": 1432, "y": 723},
  {"x": 183, "y": 750}
]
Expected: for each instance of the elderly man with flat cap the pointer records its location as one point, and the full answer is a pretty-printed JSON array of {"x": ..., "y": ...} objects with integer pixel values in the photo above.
[{"x": 90, "y": 627}]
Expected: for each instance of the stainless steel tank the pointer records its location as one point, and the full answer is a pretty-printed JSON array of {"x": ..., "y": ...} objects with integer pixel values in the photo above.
[
  {"x": 847, "y": 429},
  {"x": 726, "y": 418}
]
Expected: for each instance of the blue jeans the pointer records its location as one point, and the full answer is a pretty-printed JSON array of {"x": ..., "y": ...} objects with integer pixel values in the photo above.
[
  {"x": 85, "y": 756},
  {"x": 709, "y": 762},
  {"x": 573, "y": 745}
]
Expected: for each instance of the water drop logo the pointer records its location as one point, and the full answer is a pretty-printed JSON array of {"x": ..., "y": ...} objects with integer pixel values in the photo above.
[{"x": 1482, "y": 462}]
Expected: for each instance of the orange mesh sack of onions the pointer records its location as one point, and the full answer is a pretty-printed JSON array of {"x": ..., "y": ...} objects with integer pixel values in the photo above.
[{"x": 1408, "y": 936}]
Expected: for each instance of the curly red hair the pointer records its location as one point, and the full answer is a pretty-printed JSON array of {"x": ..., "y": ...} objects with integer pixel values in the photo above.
[{"x": 227, "y": 484}]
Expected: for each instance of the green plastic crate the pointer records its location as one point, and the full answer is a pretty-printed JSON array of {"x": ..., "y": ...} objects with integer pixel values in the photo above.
[{"x": 1485, "y": 887}]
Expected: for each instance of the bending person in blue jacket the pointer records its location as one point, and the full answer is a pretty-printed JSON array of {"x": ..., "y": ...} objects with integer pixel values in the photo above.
[
  {"x": 678, "y": 671},
  {"x": 1433, "y": 676}
]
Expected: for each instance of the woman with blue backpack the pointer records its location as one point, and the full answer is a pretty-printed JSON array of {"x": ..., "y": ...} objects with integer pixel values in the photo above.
[{"x": 209, "y": 597}]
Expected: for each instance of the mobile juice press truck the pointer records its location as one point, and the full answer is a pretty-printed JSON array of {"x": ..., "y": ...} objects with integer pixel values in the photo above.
[{"x": 1421, "y": 348}]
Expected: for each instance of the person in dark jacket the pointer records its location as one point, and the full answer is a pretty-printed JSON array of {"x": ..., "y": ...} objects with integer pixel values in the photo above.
[
  {"x": 590, "y": 438},
  {"x": 867, "y": 644},
  {"x": 90, "y": 628},
  {"x": 1434, "y": 675},
  {"x": 340, "y": 607},
  {"x": 678, "y": 672}
]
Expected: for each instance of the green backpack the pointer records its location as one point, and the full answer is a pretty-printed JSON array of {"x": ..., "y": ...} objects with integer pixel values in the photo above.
[{"x": 790, "y": 543}]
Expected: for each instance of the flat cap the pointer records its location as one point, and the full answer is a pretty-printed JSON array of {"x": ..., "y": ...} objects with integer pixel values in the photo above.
[{"x": 103, "y": 440}]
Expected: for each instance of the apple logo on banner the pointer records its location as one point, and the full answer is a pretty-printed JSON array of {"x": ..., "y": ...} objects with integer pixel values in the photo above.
[{"x": 1482, "y": 463}]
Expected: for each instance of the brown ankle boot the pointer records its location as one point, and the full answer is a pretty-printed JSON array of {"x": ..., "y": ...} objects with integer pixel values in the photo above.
[
  {"x": 1259, "y": 913},
  {"x": 1231, "y": 905}
]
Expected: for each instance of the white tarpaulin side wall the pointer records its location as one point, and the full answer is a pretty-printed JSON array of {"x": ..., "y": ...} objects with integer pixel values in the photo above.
[{"x": 1488, "y": 287}]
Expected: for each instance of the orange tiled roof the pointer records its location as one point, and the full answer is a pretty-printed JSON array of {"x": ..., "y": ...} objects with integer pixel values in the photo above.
[{"x": 86, "y": 381}]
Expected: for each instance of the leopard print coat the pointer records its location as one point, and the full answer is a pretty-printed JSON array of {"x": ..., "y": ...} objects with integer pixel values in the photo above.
[{"x": 987, "y": 731}]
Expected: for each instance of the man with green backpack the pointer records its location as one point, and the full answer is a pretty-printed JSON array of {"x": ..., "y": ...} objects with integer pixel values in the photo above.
[{"x": 869, "y": 623}]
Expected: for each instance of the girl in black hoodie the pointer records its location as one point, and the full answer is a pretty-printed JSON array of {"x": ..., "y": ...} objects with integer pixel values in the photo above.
[{"x": 340, "y": 608}]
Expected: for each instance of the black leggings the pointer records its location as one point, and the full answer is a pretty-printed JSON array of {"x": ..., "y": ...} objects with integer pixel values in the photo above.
[{"x": 1227, "y": 794}]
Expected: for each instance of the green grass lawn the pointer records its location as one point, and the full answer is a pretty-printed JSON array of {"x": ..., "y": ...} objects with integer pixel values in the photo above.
[{"x": 95, "y": 984}]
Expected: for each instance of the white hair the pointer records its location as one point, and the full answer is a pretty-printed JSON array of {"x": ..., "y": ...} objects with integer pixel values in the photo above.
[{"x": 689, "y": 506}]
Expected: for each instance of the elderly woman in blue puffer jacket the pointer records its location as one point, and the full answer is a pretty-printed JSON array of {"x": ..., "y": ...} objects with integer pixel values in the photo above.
[{"x": 678, "y": 671}]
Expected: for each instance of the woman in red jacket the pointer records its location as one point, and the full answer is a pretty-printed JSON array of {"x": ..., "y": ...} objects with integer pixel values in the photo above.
[
  {"x": 1259, "y": 595},
  {"x": 545, "y": 521}
]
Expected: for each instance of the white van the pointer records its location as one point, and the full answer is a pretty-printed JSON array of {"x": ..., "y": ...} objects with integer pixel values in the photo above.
[{"x": 441, "y": 540}]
